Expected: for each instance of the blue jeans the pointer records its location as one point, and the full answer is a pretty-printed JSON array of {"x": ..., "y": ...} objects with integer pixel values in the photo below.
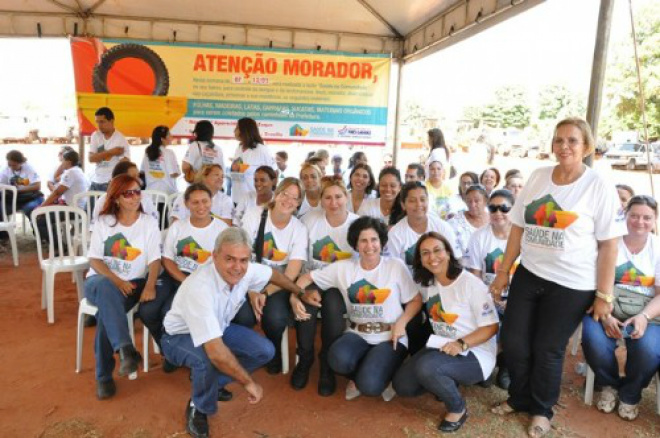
[
  {"x": 251, "y": 350},
  {"x": 641, "y": 365},
  {"x": 440, "y": 374},
  {"x": 370, "y": 366},
  {"x": 111, "y": 324},
  {"x": 152, "y": 313}
]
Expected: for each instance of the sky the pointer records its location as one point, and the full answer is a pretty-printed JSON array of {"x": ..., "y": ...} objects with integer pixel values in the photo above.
[{"x": 551, "y": 43}]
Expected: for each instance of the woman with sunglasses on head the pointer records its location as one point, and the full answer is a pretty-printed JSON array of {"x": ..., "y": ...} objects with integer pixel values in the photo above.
[
  {"x": 265, "y": 183},
  {"x": 280, "y": 241},
  {"x": 328, "y": 243},
  {"x": 565, "y": 228},
  {"x": 212, "y": 176},
  {"x": 476, "y": 216},
  {"x": 360, "y": 187},
  {"x": 249, "y": 155},
  {"x": 124, "y": 258},
  {"x": 637, "y": 280},
  {"x": 484, "y": 255},
  {"x": 310, "y": 175},
  {"x": 201, "y": 151},
  {"x": 387, "y": 206},
  {"x": 381, "y": 299},
  {"x": 462, "y": 348}
]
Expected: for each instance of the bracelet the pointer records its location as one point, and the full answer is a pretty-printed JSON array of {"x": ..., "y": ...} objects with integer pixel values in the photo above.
[
  {"x": 503, "y": 271},
  {"x": 645, "y": 315},
  {"x": 608, "y": 298}
]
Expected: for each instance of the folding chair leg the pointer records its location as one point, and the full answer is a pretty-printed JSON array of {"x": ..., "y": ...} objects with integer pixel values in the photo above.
[{"x": 589, "y": 388}]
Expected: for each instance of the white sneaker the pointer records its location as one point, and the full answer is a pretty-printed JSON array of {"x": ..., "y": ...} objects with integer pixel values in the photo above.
[
  {"x": 351, "y": 391},
  {"x": 389, "y": 393},
  {"x": 628, "y": 412},
  {"x": 607, "y": 400}
]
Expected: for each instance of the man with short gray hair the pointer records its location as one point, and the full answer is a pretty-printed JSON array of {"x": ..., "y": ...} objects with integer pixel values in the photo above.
[{"x": 199, "y": 333}]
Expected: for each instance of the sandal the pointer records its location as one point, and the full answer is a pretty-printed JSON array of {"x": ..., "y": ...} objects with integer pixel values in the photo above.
[
  {"x": 628, "y": 412},
  {"x": 607, "y": 400},
  {"x": 502, "y": 408},
  {"x": 540, "y": 427}
]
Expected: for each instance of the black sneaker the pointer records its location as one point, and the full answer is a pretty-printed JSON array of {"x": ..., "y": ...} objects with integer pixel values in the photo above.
[
  {"x": 169, "y": 367},
  {"x": 275, "y": 365},
  {"x": 197, "y": 424},
  {"x": 327, "y": 382},
  {"x": 105, "y": 390},
  {"x": 129, "y": 359},
  {"x": 300, "y": 376},
  {"x": 224, "y": 395}
]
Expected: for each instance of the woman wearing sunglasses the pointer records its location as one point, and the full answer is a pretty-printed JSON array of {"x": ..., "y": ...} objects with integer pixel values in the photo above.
[
  {"x": 466, "y": 222},
  {"x": 637, "y": 273},
  {"x": 485, "y": 253},
  {"x": 124, "y": 258},
  {"x": 212, "y": 176}
]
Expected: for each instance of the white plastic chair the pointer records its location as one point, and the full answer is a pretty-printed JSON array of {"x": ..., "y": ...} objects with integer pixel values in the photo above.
[
  {"x": 87, "y": 308},
  {"x": 284, "y": 347},
  {"x": 89, "y": 209},
  {"x": 589, "y": 389},
  {"x": 65, "y": 225},
  {"x": 7, "y": 219},
  {"x": 575, "y": 341},
  {"x": 157, "y": 198},
  {"x": 145, "y": 348}
]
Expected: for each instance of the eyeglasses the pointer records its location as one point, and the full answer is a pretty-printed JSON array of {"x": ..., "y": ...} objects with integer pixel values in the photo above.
[
  {"x": 572, "y": 142},
  {"x": 129, "y": 194},
  {"x": 494, "y": 208},
  {"x": 290, "y": 197}
]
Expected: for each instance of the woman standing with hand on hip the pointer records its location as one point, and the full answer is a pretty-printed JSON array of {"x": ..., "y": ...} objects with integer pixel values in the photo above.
[{"x": 565, "y": 228}]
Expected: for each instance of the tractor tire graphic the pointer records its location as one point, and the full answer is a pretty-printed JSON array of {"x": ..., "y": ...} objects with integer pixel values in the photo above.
[{"x": 137, "y": 51}]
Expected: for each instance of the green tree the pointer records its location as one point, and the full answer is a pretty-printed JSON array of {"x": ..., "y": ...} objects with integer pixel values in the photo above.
[
  {"x": 510, "y": 108},
  {"x": 557, "y": 102}
]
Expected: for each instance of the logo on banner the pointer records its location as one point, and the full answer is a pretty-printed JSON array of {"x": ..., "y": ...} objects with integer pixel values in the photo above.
[
  {"x": 298, "y": 131},
  {"x": 353, "y": 132}
]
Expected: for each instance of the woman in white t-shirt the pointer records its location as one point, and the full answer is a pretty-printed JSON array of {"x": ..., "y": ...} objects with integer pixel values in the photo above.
[
  {"x": 466, "y": 222},
  {"x": 439, "y": 150},
  {"x": 212, "y": 176},
  {"x": 249, "y": 155},
  {"x": 381, "y": 299},
  {"x": 360, "y": 187},
  {"x": 159, "y": 163},
  {"x": 124, "y": 258},
  {"x": 201, "y": 151},
  {"x": 265, "y": 182},
  {"x": 328, "y": 243},
  {"x": 462, "y": 348},
  {"x": 310, "y": 175},
  {"x": 441, "y": 196},
  {"x": 188, "y": 245},
  {"x": 565, "y": 228},
  {"x": 280, "y": 241},
  {"x": 637, "y": 272},
  {"x": 20, "y": 174},
  {"x": 388, "y": 204}
]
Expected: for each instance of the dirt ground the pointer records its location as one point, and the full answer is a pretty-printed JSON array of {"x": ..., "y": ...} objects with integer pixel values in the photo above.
[{"x": 42, "y": 396}]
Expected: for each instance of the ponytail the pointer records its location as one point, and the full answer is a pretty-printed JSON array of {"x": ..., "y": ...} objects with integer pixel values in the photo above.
[{"x": 157, "y": 136}]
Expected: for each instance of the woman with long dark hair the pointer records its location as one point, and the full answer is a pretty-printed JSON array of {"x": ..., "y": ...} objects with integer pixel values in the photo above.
[
  {"x": 439, "y": 150},
  {"x": 250, "y": 153},
  {"x": 201, "y": 151},
  {"x": 387, "y": 207},
  {"x": 360, "y": 187},
  {"x": 265, "y": 183},
  {"x": 159, "y": 164},
  {"x": 124, "y": 258}
]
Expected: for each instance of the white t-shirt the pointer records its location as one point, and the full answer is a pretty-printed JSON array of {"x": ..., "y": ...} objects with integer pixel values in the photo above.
[
  {"x": 438, "y": 154},
  {"x": 305, "y": 207},
  {"x": 157, "y": 173},
  {"x": 563, "y": 224},
  {"x": 75, "y": 182},
  {"x": 485, "y": 252},
  {"x": 189, "y": 246},
  {"x": 463, "y": 230},
  {"x": 221, "y": 207},
  {"x": 209, "y": 155},
  {"x": 402, "y": 240},
  {"x": 349, "y": 201},
  {"x": 147, "y": 207},
  {"x": 205, "y": 304},
  {"x": 461, "y": 308},
  {"x": 103, "y": 169},
  {"x": 639, "y": 272},
  {"x": 371, "y": 207},
  {"x": 246, "y": 203},
  {"x": 20, "y": 179},
  {"x": 377, "y": 295},
  {"x": 280, "y": 246},
  {"x": 249, "y": 160},
  {"x": 327, "y": 244},
  {"x": 127, "y": 251}
]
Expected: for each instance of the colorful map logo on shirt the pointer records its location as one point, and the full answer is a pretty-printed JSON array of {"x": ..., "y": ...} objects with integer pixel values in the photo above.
[
  {"x": 326, "y": 250},
  {"x": 242, "y": 167},
  {"x": 118, "y": 247},
  {"x": 493, "y": 260},
  {"x": 363, "y": 292},
  {"x": 270, "y": 249},
  {"x": 190, "y": 249},
  {"x": 410, "y": 254},
  {"x": 546, "y": 212},
  {"x": 19, "y": 181},
  {"x": 629, "y": 274},
  {"x": 437, "y": 312}
]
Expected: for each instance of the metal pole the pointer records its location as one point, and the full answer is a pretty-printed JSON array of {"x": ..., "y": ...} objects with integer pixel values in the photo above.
[
  {"x": 81, "y": 149},
  {"x": 397, "y": 115},
  {"x": 598, "y": 68}
]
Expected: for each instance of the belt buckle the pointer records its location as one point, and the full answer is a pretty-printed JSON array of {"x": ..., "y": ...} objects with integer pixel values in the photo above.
[{"x": 369, "y": 328}]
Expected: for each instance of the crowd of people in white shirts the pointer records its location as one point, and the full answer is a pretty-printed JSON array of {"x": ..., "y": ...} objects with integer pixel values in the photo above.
[{"x": 426, "y": 275}]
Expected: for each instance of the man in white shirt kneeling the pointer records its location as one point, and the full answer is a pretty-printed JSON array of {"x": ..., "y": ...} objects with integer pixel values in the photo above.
[{"x": 199, "y": 333}]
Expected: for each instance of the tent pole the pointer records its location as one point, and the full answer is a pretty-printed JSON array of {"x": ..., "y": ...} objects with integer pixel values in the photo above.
[
  {"x": 81, "y": 149},
  {"x": 598, "y": 68},
  {"x": 397, "y": 115}
]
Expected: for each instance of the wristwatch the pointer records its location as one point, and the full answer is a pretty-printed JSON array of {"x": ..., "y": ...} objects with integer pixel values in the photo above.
[
  {"x": 464, "y": 345},
  {"x": 300, "y": 293},
  {"x": 608, "y": 298}
]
